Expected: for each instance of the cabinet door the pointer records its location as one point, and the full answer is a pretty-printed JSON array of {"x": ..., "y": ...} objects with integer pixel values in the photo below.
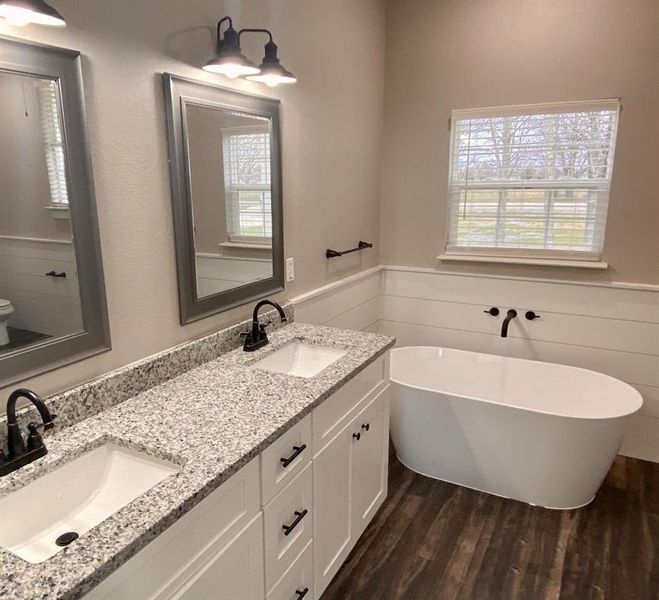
[
  {"x": 370, "y": 461},
  {"x": 234, "y": 573},
  {"x": 332, "y": 470}
]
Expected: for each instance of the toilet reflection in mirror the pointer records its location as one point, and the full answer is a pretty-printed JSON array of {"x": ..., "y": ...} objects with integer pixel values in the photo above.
[
  {"x": 39, "y": 294},
  {"x": 229, "y": 167}
]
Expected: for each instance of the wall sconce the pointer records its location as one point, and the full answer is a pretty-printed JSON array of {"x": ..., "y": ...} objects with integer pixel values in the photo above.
[
  {"x": 24, "y": 12},
  {"x": 229, "y": 59},
  {"x": 231, "y": 62},
  {"x": 272, "y": 72}
]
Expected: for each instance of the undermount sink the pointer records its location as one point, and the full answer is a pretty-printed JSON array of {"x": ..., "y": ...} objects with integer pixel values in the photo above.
[
  {"x": 67, "y": 502},
  {"x": 300, "y": 359}
]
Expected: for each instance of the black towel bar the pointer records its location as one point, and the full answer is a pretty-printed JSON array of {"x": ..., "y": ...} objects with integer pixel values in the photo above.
[{"x": 334, "y": 253}]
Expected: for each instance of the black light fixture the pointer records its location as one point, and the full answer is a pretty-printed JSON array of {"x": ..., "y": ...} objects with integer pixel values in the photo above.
[
  {"x": 229, "y": 59},
  {"x": 272, "y": 72},
  {"x": 25, "y": 12}
]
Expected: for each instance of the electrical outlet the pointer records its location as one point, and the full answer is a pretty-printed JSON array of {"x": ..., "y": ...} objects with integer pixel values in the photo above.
[{"x": 290, "y": 269}]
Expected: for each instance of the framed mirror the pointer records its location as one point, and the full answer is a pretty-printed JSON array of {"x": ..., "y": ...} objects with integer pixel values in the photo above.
[
  {"x": 52, "y": 295},
  {"x": 224, "y": 150}
]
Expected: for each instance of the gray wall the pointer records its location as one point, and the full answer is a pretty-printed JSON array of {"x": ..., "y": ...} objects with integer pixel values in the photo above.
[
  {"x": 449, "y": 54},
  {"x": 331, "y": 134}
]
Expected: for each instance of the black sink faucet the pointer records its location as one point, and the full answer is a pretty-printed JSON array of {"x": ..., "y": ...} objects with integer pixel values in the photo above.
[
  {"x": 510, "y": 315},
  {"x": 20, "y": 453},
  {"x": 257, "y": 337}
]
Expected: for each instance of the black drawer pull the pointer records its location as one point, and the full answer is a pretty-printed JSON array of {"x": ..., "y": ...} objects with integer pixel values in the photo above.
[
  {"x": 298, "y": 517},
  {"x": 297, "y": 451},
  {"x": 302, "y": 593},
  {"x": 61, "y": 275},
  {"x": 357, "y": 436},
  {"x": 366, "y": 426}
]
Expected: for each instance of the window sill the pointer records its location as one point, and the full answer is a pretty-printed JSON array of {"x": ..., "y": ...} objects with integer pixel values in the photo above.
[
  {"x": 58, "y": 212},
  {"x": 245, "y": 245},
  {"x": 511, "y": 260}
]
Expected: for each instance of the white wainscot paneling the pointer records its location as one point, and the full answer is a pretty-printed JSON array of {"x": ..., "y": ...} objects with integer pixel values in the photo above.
[
  {"x": 44, "y": 304},
  {"x": 610, "y": 329},
  {"x": 353, "y": 303}
]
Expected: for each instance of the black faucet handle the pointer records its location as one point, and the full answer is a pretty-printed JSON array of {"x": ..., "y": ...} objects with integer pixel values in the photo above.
[
  {"x": 530, "y": 315},
  {"x": 34, "y": 439},
  {"x": 494, "y": 311}
]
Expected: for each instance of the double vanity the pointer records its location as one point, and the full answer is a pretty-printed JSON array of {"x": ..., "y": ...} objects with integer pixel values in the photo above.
[{"x": 250, "y": 476}]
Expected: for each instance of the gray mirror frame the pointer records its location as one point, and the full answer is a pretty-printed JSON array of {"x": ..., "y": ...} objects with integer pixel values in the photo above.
[
  {"x": 178, "y": 91},
  {"x": 64, "y": 66}
]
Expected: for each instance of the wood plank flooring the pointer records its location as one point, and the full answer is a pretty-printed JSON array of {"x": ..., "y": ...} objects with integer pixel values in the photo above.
[{"x": 436, "y": 541}]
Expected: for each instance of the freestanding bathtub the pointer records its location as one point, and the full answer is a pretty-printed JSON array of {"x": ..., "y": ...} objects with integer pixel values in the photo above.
[{"x": 538, "y": 432}]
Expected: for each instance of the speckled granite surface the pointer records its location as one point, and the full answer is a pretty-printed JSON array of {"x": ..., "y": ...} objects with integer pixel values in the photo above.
[
  {"x": 212, "y": 420},
  {"x": 107, "y": 391}
]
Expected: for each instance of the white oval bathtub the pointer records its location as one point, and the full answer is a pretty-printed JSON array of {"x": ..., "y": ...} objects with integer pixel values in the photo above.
[{"x": 538, "y": 432}]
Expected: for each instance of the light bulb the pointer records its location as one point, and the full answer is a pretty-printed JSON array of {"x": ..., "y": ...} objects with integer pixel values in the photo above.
[
  {"x": 231, "y": 70},
  {"x": 19, "y": 17}
]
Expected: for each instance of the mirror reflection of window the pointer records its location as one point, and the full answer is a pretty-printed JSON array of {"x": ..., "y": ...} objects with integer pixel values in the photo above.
[
  {"x": 246, "y": 153},
  {"x": 53, "y": 139},
  {"x": 39, "y": 292},
  {"x": 231, "y": 189}
]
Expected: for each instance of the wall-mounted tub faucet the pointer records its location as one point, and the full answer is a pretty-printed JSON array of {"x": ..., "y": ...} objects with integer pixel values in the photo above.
[
  {"x": 510, "y": 315},
  {"x": 20, "y": 453}
]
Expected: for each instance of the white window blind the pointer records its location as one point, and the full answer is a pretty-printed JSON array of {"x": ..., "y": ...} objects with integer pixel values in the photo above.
[
  {"x": 53, "y": 138},
  {"x": 531, "y": 181},
  {"x": 246, "y": 152}
]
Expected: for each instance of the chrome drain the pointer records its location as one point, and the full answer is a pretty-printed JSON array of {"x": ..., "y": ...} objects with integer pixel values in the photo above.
[{"x": 66, "y": 538}]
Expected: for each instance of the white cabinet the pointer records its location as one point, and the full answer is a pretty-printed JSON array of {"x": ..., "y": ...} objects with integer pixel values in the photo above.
[
  {"x": 324, "y": 479},
  {"x": 350, "y": 484},
  {"x": 285, "y": 458},
  {"x": 297, "y": 582},
  {"x": 370, "y": 461},
  {"x": 332, "y": 470},
  {"x": 236, "y": 572},
  {"x": 288, "y": 526},
  {"x": 197, "y": 542}
]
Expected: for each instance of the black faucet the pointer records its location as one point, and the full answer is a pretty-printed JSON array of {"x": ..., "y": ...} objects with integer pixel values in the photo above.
[
  {"x": 510, "y": 315},
  {"x": 20, "y": 453},
  {"x": 257, "y": 337}
]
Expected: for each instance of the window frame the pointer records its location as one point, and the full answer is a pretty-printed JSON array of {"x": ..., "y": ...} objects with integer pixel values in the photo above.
[{"x": 585, "y": 258}]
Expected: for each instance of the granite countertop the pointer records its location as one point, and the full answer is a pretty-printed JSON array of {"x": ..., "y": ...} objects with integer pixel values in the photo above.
[{"x": 211, "y": 420}]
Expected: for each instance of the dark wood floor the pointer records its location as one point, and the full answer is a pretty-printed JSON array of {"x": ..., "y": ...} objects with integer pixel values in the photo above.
[{"x": 436, "y": 541}]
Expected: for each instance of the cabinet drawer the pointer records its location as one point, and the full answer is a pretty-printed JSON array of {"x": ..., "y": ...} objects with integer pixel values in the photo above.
[
  {"x": 285, "y": 458},
  {"x": 333, "y": 414},
  {"x": 183, "y": 548},
  {"x": 297, "y": 582},
  {"x": 291, "y": 509}
]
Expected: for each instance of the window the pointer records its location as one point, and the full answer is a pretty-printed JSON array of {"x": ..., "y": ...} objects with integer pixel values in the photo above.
[
  {"x": 53, "y": 139},
  {"x": 531, "y": 181},
  {"x": 246, "y": 152}
]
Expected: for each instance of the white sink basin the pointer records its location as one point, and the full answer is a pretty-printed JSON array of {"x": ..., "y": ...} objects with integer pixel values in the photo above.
[
  {"x": 298, "y": 358},
  {"x": 75, "y": 498}
]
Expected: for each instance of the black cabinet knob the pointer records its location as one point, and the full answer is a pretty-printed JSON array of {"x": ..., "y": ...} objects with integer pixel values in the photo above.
[{"x": 494, "y": 311}]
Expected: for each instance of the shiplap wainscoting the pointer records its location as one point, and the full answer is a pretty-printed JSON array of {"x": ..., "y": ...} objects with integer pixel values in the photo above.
[
  {"x": 613, "y": 329},
  {"x": 351, "y": 303},
  {"x": 43, "y": 304}
]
